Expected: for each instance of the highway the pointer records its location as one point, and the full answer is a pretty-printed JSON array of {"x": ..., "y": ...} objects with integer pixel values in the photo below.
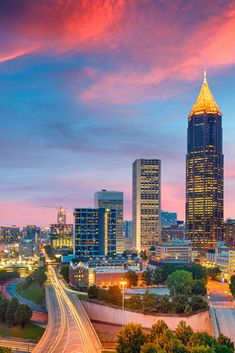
[
  {"x": 69, "y": 329},
  {"x": 222, "y": 309}
]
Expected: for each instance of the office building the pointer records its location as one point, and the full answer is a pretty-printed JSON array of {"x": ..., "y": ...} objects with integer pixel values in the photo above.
[
  {"x": 168, "y": 219},
  {"x": 110, "y": 200},
  {"x": 229, "y": 232},
  {"x": 9, "y": 234},
  {"x": 95, "y": 231},
  {"x": 204, "y": 172},
  {"x": 146, "y": 203},
  {"x": 31, "y": 233},
  {"x": 61, "y": 236},
  {"x": 175, "y": 250}
]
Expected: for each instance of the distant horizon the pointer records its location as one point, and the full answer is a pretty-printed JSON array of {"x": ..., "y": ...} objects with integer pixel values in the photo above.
[{"x": 80, "y": 103}]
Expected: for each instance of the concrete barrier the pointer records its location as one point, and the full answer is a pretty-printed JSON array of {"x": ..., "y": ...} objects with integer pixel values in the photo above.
[{"x": 199, "y": 322}]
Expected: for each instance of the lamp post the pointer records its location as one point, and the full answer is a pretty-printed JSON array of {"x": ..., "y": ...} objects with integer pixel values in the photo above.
[{"x": 123, "y": 283}]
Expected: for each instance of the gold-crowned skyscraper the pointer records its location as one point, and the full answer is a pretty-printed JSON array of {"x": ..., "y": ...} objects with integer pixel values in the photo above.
[{"x": 204, "y": 172}]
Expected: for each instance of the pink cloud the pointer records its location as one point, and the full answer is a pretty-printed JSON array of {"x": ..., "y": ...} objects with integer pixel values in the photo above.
[{"x": 211, "y": 46}]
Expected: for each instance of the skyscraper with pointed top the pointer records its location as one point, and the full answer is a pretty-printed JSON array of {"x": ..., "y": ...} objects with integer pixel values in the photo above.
[{"x": 204, "y": 172}]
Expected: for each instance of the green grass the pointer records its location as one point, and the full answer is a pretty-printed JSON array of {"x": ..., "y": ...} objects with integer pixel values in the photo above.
[
  {"x": 30, "y": 331},
  {"x": 35, "y": 293}
]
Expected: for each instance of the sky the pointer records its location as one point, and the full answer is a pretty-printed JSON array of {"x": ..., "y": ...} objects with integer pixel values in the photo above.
[{"x": 88, "y": 86}]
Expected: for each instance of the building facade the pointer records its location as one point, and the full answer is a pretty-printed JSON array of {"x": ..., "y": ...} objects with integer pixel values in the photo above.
[
  {"x": 204, "y": 172},
  {"x": 32, "y": 233},
  {"x": 225, "y": 260},
  {"x": 168, "y": 219},
  {"x": 176, "y": 250},
  {"x": 146, "y": 203},
  {"x": 95, "y": 231},
  {"x": 61, "y": 235},
  {"x": 110, "y": 200},
  {"x": 229, "y": 232}
]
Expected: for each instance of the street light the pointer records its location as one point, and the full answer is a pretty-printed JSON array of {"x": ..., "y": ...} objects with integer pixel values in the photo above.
[{"x": 123, "y": 283}]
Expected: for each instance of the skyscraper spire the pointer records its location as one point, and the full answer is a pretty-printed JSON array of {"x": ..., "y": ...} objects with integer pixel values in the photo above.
[
  {"x": 205, "y": 80},
  {"x": 205, "y": 103}
]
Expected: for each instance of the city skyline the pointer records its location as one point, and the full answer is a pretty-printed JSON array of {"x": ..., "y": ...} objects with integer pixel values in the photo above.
[{"x": 78, "y": 112}]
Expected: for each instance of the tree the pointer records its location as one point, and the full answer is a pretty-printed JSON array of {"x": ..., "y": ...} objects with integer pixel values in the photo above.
[
  {"x": 93, "y": 292},
  {"x": 197, "y": 270},
  {"x": 232, "y": 285},
  {"x": 147, "y": 277},
  {"x": 199, "y": 287},
  {"x": 224, "y": 343},
  {"x": 3, "y": 308},
  {"x": 157, "y": 330},
  {"x": 184, "y": 332},
  {"x": 134, "y": 302},
  {"x": 202, "y": 339},
  {"x": 149, "y": 303},
  {"x": 10, "y": 312},
  {"x": 197, "y": 303},
  {"x": 5, "y": 350},
  {"x": 23, "y": 315},
  {"x": 130, "y": 338},
  {"x": 65, "y": 272},
  {"x": 40, "y": 276},
  {"x": 180, "y": 282},
  {"x": 131, "y": 278},
  {"x": 213, "y": 272},
  {"x": 180, "y": 304},
  {"x": 202, "y": 349},
  {"x": 150, "y": 348},
  {"x": 114, "y": 295}
]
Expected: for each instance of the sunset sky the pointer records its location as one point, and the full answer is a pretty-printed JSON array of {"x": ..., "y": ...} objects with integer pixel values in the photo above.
[{"x": 88, "y": 86}]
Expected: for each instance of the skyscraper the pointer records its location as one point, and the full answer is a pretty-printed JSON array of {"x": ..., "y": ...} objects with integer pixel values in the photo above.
[
  {"x": 204, "y": 172},
  {"x": 109, "y": 200},
  {"x": 61, "y": 215},
  {"x": 146, "y": 203}
]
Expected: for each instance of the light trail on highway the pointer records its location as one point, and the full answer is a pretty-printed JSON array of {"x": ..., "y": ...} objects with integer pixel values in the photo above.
[{"x": 69, "y": 329}]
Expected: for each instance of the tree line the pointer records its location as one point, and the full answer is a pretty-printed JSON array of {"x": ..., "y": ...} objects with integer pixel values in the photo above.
[
  {"x": 132, "y": 339},
  {"x": 7, "y": 276},
  {"x": 38, "y": 276},
  {"x": 14, "y": 313}
]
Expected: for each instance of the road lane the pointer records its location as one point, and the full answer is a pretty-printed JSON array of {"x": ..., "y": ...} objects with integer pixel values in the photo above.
[{"x": 69, "y": 329}]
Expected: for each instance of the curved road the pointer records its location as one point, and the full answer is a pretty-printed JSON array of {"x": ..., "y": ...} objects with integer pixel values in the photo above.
[
  {"x": 9, "y": 291},
  {"x": 69, "y": 329},
  {"x": 223, "y": 305}
]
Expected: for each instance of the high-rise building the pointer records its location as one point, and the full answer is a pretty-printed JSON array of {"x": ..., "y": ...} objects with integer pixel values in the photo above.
[
  {"x": 229, "y": 232},
  {"x": 61, "y": 234},
  {"x": 61, "y": 215},
  {"x": 204, "y": 172},
  {"x": 31, "y": 233},
  {"x": 113, "y": 199},
  {"x": 168, "y": 219},
  {"x": 95, "y": 231},
  {"x": 127, "y": 229},
  {"x": 146, "y": 203}
]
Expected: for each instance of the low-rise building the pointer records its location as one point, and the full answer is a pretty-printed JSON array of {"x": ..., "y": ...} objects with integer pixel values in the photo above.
[
  {"x": 103, "y": 272},
  {"x": 225, "y": 259},
  {"x": 176, "y": 250}
]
